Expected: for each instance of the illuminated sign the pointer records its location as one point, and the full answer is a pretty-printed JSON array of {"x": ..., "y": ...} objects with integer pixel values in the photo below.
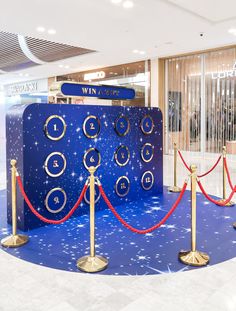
[
  {"x": 26, "y": 87},
  {"x": 99, "y": 91},
  {"x": 94, "y": 75},
  {"x": 224, "y": 74}
]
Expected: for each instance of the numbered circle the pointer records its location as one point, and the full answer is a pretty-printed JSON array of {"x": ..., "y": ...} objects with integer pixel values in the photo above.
[
  {"x": 55, "y": 200},
  {"x": 55, "y": 164},
  {"x": 91, "y": 127},
  {"x": 97, "y": 194},
  {"x": 147, "y": 125},
  {"x": 122, "y": 125},
  {"x": 122, "y": 155},
  {"x": 147, "y": 180},
  {"x": 147, "y": 152},
  {"x": 92, "y": 157},
  {"x": 122, "y": 186},
  {"x": 55, "y": 127}
]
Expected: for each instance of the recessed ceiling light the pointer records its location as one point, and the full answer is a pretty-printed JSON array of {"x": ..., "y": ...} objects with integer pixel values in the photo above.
[
  {"x": 135, "y": 51},
  {"x": 116, "y": 1},
  {"x": 60, "y": 66},
  {"x": 40, "y": 29},
  {"x": 232, "y": 30},
  {"x": 127, "y": 4},
  {"x": 142, "y": 52},
  {"x": 67, "y": 66},
  {"x": 51, "y": 31}
]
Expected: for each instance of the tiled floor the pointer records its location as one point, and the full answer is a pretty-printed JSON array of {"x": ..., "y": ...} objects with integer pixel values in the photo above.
[{"x": 25, "y": 286}]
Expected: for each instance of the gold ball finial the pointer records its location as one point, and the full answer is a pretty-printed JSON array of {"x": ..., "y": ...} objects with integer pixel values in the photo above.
[
  {"x": 92, "y": 169},
  {"x": 193, "y": 168},
  {"x": 13, "y": 162},
  {"x": 224, "y": 151}
]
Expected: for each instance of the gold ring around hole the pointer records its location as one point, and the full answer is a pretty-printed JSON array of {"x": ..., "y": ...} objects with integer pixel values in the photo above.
[
  {"x": 145, "y": 173},
  {"x": 116, "y": 158},
  {"x": 117, "y": 192},
  {"x": 144, "y": 132},
  {"x": 63, "y": 205},
  {"x": 84, "y": 130},
  {"x": 85, "y": 155},
  {"x": 128, "y": 128},
  {"x": 142, "y": 150},
  {"x": 46, "y": 130},
  {"x": 46, "y": 164}
]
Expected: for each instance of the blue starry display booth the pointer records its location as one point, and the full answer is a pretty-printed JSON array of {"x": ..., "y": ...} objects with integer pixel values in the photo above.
[{"x": 54, "y": 145}]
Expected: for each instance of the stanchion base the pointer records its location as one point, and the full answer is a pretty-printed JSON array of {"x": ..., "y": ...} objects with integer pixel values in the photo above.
[
  {"x": 194, "y": 258},
  {"x": 92, "y": 264},
  {"x": 15, "y": 240},
  {"x": 228, "y": 204},
  {"x": 174, "y": 189}
]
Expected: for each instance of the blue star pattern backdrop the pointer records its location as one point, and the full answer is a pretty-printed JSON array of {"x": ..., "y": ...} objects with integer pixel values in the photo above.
[{"x": 53, "y": 143}]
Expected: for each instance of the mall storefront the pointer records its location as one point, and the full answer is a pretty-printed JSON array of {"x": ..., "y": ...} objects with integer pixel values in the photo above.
[
  {"x": 135, "y": 75},
  {"x": 200, "y": 105},
  {"x": 196, "y": 94}
]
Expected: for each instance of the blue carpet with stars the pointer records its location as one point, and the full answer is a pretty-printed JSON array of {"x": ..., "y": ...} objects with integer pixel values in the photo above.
[{"x": 60, "y": 246}]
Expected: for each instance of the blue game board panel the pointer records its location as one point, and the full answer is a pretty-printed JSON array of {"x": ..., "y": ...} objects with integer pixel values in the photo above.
[{"x": 51, "y": 140}]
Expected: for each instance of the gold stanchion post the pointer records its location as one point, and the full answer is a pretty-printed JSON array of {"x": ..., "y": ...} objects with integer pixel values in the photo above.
[
  {"x": 92, "y": 263},
  {"x": 175, "y": 188},
  {"x": 224, "y": 181},
  {"x": 194, "y": 257},
  {"x": 14, "y": 240}
]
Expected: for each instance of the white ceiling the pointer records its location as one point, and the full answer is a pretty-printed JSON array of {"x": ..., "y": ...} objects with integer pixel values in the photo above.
[
  {"x": 214, "y": 11},
  {"x": 159, "y": 27}
]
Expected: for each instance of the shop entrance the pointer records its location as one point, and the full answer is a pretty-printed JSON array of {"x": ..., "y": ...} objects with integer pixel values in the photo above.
[{"x": 201, "y": 105}]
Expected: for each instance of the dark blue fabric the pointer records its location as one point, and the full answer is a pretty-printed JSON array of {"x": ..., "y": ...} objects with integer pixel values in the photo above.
[{"x": 60, "y": 246}]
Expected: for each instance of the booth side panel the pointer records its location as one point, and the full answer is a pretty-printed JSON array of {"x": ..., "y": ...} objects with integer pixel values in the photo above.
[{"x": 14, "y": 150}]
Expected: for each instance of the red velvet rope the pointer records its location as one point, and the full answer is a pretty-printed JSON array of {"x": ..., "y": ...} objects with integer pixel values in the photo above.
[
  {"x": 205, "y": 174},
  {"x": 228, "y": 175},
  {"x": 164, "y": 219},
  {"x": 50, "y": 221},
  {"x": 214, "y": 166},
  {"x": 223, "y": 203},
  {"x": 185, "y": 164}
]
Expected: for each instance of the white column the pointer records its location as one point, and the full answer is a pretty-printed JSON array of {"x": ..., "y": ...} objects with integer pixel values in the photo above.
[
  {"x": 203, "y": 106},
  {"x": 154, "y": 83}
]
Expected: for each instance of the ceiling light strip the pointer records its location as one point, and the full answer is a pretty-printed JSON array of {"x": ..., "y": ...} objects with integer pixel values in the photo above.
[{"x": 25, "y": 49}]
